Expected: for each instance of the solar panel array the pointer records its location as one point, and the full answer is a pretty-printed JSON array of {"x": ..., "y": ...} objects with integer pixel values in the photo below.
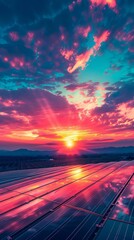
[{"x": 94, "y": 201}]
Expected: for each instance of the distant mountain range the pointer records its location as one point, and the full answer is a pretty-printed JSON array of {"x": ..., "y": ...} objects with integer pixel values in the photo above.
[
  {"x": 34, "y": 153},
  {"x": 26, "y": 152},
  {"x": 115, "y": 150}
]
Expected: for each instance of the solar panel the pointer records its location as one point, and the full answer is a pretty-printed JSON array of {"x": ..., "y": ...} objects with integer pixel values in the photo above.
[
  {"x": 20, "y": 217},
  {"x": 114, "y": 230},
  {"x": 92, "y": 201},
  {"x": 64, "y": 223},
  {"x": 124, "y": 209}
]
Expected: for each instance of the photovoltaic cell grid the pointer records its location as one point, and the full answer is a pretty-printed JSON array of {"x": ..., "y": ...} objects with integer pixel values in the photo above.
[{"x": 94, "y": 201}]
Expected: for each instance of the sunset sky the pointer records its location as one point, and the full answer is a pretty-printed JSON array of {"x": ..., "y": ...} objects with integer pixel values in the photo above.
[{"x": 66, "y": 74}]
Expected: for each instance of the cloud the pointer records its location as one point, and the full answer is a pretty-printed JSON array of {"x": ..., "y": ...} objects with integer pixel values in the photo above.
[
  {"x": 33, "y": 98},
  {"x": 83, "y": 31},
  {"x": 110, "y": 3},
  {"x": 28, "y": 54},
  {"x": 34, "y": 108},
  {"x": 27, "y": 12},
  {"x": 90, "y": 87},
  {"x": 120, "y": 92},
  {"x": 117, "y": 110},
  {"x": 82, "y": 59},
  {"x": 104, "y": 109},
  {"x": 100, "y": 39},
  {"x": 123, "y": 93},
  {"x": 66, "y": 53},
  {"x": 44, "y": 47}
]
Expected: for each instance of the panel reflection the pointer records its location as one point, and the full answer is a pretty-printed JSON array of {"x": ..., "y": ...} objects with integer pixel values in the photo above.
[{"x": 71, "y": 203}]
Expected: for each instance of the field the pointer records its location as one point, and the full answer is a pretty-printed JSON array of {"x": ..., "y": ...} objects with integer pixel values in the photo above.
[{"x": 92, "y": 201}]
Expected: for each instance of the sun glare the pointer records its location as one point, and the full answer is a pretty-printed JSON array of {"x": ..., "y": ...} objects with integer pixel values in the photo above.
[
  {"x": 77, "y": 173},
  {"x": 70, "y": 143},
  {"x": 70, "y": 139}
]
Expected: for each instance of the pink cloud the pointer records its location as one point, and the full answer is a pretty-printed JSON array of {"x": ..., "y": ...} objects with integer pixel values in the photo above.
[
  {"x": 131, "y": 49},
  {"x": 126, "y": 110},
  {"x": 5, "y": 59},
  {"x": 83, "y": 58},
  {"x": 14, "y": 36},
  {"x": 126, "y": 37},
  {"x": 8, "y": 103},
  {"x": 102, "y": 38},
  {"x": 28, "y": 39},
  {"x": 84, "y": 31},
  {"x": 17, "y": 63},
  {"x": 110, "y": 3},
  {"x": 66, "y": 53},
  {"x": 72, "y": 5},
  {"x": 62, "y": 37},
  {"x": 30, "y": 36}
]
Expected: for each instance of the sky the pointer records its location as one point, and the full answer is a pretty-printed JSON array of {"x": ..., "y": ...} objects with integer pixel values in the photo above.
[{"x": 66, "y": 74}]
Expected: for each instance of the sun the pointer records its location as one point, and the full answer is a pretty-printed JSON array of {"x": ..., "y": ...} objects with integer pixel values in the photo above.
[
  {"x": 70, "y": 139},
  {"x": 69, "y": 143}
]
